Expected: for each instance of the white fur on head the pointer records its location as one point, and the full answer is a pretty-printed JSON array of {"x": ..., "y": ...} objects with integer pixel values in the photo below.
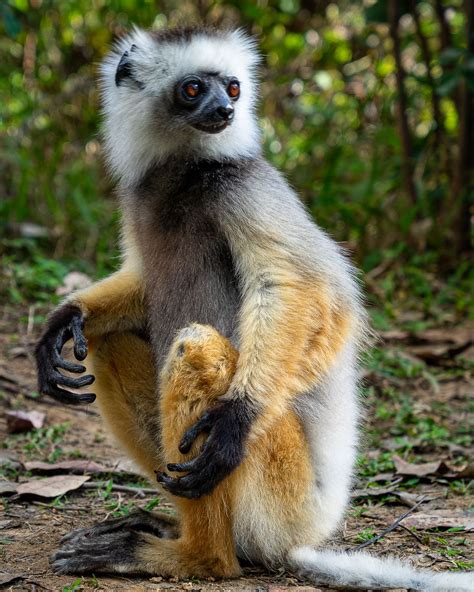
[{"x": 138, "y": 133}]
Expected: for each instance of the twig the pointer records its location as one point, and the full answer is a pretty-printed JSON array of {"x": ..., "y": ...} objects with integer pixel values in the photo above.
[
  {"x": 141, "y": 491},
  {"x": 413, "y": 534},
  {"x": 393, "y": 526}
]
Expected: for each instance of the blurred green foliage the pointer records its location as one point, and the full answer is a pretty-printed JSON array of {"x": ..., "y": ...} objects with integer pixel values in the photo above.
[{"x": 328, "y": 112}]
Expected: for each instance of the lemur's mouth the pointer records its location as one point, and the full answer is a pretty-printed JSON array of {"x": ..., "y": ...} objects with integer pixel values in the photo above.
[{"x": 211, "y": 128}]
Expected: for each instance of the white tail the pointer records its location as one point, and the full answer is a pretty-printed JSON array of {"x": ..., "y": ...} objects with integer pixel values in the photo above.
[{"x": 362, "y": 570}]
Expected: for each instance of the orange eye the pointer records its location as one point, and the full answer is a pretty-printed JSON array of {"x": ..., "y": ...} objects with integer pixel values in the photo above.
[
  {"x": 233, "y": 90},
  {"x": 192, "y": 89}
]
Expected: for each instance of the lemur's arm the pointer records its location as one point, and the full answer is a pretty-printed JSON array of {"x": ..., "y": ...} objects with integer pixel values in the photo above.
[
  {"x": 113, "y": 304},
  {"x": 293, "y": 323}
]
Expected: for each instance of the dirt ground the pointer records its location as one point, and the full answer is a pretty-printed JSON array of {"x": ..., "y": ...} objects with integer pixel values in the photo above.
[{"x": 418, "y": 415}]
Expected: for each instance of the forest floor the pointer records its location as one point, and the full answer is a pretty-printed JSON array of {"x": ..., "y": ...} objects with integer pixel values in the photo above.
[{"x": 417, "y": 445}]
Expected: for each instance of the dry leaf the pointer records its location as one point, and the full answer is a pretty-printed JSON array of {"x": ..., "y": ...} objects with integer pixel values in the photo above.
[
  {"x": 435, "y": 469},
  {"x": 7, "y": 488},
  {"x": 9, "y": 578},
  {"x": 408, "y": 499},
  {"x": 52, "y": 486},
  {"x": 432, "y": 345},
  {"x": 419, "y": 470},
  {"x": 8, "y": 524},
  {"x": 9, "y": 459},
  {"x": 125, "y": 465},
  {"x": 24, "y": 421},
  {"x": 441, "y": 519},
  {"x": 76, "y": 467}
]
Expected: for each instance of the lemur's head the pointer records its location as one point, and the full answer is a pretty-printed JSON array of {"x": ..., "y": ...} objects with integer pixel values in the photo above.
[{"x": 188, "y": 92}]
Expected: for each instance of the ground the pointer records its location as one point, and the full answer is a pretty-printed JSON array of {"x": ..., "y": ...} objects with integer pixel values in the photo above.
[{"x": 417, "y": 390}]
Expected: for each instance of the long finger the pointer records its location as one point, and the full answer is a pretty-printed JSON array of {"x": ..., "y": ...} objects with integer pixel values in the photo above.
[
  {"x": 80, "y": 342},
  {"x": 63, "y": 335},
  {"x": 60, "y": 362},
  {"x": 80, "y": 382},
  {"x": 202, "y": 425},
  {"x": 67, "y": 397},
  {"x": 194, "y": 464}
]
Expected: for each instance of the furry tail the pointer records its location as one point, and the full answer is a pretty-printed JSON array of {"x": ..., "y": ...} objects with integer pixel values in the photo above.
[{"x": 363, "y": 571}]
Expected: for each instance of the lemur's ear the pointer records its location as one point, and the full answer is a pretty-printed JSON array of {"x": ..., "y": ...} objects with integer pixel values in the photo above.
[{"x": 124, "y": 69}]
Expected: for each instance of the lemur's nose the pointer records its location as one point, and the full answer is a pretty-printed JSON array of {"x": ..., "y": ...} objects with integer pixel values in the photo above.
[{"x": 226, "y": 112}]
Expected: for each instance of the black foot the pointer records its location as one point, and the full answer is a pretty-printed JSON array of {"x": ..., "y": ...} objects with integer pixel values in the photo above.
[
  {"x": 110, "y": 552},
  {"x": 110, "y": 546},
  {"x": 160, "y": 525}
]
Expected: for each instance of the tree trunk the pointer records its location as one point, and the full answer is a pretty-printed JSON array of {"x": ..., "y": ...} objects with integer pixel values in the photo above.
[
  {"x": 463, "y": 183},
  {"x": 407, "y": 150}
]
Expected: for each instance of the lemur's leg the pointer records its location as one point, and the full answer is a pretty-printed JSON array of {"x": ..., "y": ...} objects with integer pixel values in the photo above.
[
  {"x": 199, "y": 369},
  {"x": 126, "y": 395}
]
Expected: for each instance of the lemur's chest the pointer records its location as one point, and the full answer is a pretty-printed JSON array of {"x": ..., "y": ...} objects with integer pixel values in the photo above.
[{"x": 189, "y": 271}]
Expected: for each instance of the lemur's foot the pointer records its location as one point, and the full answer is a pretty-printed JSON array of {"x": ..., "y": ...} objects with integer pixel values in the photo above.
[
  {"x": 160, "y": 524},
  {"x": 110, "y": 546},
  {"x": 113, "y": 551}
]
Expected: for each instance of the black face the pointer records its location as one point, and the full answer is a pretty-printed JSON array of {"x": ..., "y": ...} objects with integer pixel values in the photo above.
[{"x": 207, "y": 101}]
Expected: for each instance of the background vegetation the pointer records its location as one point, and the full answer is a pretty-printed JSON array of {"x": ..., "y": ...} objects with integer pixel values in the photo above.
[{"x": 367, "y": 106}]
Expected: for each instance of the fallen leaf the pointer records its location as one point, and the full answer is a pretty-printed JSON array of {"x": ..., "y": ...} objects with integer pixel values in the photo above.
[
  {"x": 441, "y": 519},
  {"x": 125, "y": 465},
  {"x": 435, "y": 469},
  {"x": 9, "y": 578},
  {"x": 76, "y": 467},
  {"x": 7, "y": 488},
  {"x": 419, "y": 470},
  {"x": 52, "y": 486},
  {"x": 432, "y": 345},
  {"x": 408, "y": 499},
  {"x": 24, "y": 421},
  {"x": 466, "y": 472},
  {"x": 382, "y": 477},
  {"x": 9, "y": 460},
  {"x": 4, "y": 524}
]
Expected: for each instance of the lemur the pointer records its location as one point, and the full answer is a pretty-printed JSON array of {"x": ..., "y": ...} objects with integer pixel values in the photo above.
[{"x": 225, "y": 348}]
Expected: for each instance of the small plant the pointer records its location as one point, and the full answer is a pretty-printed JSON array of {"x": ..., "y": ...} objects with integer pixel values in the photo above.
[
  {"x": 365, "y": 535},
  {"x": 74, "y": 587},
  {"x": 152, "y": 504}
]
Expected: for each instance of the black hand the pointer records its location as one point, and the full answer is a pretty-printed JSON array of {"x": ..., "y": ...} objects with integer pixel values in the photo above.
[
  {"x": 227, "y": 425},
  {"x": 65, "y": 323}
]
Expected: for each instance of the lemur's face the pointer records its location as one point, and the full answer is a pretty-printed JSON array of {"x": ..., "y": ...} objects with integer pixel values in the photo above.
[
  {"x": 206, "y": 100},
  {"x": 182, "y": 92}
]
